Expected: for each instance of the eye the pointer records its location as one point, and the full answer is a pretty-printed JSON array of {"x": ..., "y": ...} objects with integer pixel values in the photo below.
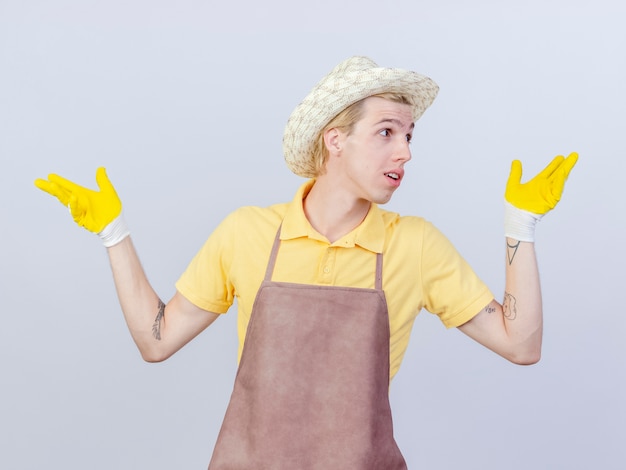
[
  {"x": 385, "y": 132},
  {"x": 409, "y": 138}
]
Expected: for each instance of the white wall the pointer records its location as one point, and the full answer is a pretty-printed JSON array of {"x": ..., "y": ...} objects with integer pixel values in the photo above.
[{"x": 185, "y": 102}]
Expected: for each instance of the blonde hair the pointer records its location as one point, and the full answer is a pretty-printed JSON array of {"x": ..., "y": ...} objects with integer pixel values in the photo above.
[{"x": 345, "y": 122}]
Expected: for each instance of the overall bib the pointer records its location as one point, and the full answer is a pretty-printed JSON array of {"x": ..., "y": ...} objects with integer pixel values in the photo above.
[{"x": 312, "y": 388}]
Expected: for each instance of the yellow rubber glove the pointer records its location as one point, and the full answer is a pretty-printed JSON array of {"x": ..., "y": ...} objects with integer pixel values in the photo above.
[
  {"x": 542, "y": 193},
  {"x": 97, "y": 211},
  {"x": 525, "y": 204}
]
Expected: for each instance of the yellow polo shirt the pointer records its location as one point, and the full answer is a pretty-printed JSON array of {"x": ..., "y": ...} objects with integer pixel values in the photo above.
[{"x": 421, "y": 268}]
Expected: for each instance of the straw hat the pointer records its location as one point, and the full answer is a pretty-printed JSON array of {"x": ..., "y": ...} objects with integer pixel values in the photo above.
[{"x": 352, "y": 80}]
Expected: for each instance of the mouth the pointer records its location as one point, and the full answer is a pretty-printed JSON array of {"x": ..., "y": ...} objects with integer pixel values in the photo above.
[{"x": 394, "y": 176}]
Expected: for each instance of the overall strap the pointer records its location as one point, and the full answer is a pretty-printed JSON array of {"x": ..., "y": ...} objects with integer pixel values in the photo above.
[
  {"x": 379, "y": 271},
  {"x": 272, "y": 261}
]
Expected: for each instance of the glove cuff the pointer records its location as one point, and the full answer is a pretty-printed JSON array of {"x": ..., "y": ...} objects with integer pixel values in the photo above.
[
  {"x": 519, "y": 224},
  {"x": 115, "y": 232}
]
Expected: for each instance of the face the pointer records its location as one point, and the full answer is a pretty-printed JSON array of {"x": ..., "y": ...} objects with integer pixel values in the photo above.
[{"x": 370, "y": 159}]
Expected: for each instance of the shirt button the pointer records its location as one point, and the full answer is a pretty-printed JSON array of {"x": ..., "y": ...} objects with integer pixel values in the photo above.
[{"x": 326, "y": 270}]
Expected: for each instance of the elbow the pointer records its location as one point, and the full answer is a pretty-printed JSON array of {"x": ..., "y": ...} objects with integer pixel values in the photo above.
[
  {"x": 153, "y": 355},
  {"x": 152, "y": 359},
  {"x": 527, "y": 352},
  {"x": 526, "y": 358}
]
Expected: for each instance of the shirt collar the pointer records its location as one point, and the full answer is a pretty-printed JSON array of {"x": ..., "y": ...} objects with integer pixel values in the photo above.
[{"x": 370, "y": 234}]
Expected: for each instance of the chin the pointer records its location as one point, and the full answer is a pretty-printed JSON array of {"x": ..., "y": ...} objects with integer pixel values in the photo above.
[{"x": 383, "y": 199}]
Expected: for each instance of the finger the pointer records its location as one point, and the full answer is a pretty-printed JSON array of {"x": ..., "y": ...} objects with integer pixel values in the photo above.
[
  {"x": 552, "y": 166},
  {"x": 77, "y": 209},
  {"x": 103, "y": 180},
  {"x": 66, "y": 184},
  {"x": 44, "y": 185},
  {"x": 569, "y": 163},
  {"x": 53, "y": 189},
  {"x": 561, "y": 177},
  {"x": 516, "y": 172}
]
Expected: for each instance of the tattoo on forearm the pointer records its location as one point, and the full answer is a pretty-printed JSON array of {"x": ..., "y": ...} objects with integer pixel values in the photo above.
[
  {"x": 490, "y": 309},
  {"x": 156, "y": 326},
  {"x": 509, "y": 306},
  {"x": 511, "y": 251}
]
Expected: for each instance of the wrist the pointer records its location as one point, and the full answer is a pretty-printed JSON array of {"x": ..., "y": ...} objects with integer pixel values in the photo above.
[
  {"x": 519, "y": 224},
  {"x": 115, "y": 232}
]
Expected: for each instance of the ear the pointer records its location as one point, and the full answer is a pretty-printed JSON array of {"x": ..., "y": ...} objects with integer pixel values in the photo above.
[{"x": 332, "y": 140}]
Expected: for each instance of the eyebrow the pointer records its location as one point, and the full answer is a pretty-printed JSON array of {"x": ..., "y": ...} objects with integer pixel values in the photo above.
[{"x": 397, "y": 122}]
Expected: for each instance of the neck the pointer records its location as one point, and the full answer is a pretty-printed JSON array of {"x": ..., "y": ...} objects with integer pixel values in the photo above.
[{"x": 332, "y": 212}]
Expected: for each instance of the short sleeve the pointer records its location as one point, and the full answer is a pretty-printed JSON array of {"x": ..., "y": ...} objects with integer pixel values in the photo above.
[
  {"x": 452, "y": 290},
  {"x": 207, "y": 281}
]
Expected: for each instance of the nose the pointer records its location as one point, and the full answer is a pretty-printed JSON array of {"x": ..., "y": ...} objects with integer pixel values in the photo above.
[{"x": 403, "y": 152}]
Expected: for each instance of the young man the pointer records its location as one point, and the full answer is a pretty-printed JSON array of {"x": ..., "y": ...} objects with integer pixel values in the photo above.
[{"x": 329, "y": 285}]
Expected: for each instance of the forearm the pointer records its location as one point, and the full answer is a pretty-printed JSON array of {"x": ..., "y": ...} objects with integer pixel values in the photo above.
[
  {"x": 142, "y": 308},
  {"x": 513, "y": 329},
  {"x": 522, "y": 306}
]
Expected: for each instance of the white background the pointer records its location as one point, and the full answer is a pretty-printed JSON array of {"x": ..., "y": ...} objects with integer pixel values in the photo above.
[{"x": 185, "y": 103}]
